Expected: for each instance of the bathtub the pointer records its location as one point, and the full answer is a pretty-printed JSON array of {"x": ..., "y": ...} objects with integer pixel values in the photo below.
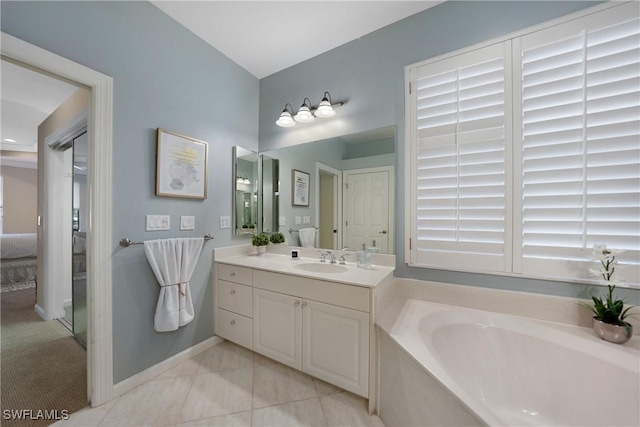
[{"x": 444, "y": 365}]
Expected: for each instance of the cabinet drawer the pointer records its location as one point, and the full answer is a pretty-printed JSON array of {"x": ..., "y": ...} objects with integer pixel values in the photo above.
[
  {"x": 235, "y": 297},
  {"x": 236, "y": 328},
  {"x": 235, "y": 274}
]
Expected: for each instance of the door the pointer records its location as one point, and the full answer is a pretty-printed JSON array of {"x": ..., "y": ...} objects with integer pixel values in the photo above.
[
  {"x": 277, "y": 327},
  {"x": 335, "y": 345},
  {"x": 368, "y": 198}
]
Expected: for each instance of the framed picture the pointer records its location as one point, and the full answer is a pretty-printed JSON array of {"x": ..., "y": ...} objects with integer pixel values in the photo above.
[
  {"x": 299, "y": 188},
  {"x": 181, "y": 166}
]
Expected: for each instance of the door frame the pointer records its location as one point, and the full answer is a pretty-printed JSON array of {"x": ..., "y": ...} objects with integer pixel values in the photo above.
[
  {"x": 99, "y": 230},
  {"x": 391, "y": 171},
  {"x": 337, "y": 199}
]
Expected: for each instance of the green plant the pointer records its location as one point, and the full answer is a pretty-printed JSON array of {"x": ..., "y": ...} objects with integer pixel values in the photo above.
[
  {"x": 611, "y": 310},
  {"x": 276, "y": 237},
  {"x": 260, "y": 240}
]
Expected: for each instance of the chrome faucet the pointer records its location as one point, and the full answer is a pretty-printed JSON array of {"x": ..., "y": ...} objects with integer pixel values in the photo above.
[
  {"x": 323, "y": 256},
  {"x": 343, "y": 255}
]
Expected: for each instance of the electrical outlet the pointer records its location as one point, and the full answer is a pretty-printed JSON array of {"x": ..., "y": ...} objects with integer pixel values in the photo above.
[
  {"x": 298, "y": 220},
  {"x": 307, "y": 220}
]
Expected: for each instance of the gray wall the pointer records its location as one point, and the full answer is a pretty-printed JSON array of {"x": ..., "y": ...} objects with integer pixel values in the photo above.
[
  {"x": 369, "y": 74},
  {"x": 164, "y": 76}
]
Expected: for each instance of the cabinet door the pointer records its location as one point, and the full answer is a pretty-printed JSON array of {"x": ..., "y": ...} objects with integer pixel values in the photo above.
[
  {"x": 336, "y": 345},
  {"x": 277, "y": 330}
]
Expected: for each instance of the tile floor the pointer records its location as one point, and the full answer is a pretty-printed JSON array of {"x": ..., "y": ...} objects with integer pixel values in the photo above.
[{"x": 229, "y": 385}]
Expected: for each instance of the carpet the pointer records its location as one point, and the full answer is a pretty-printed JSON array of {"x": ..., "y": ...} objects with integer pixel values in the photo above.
[{"x": 43, "y": 372}]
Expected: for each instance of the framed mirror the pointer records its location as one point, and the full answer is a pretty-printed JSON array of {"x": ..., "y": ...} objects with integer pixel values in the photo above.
[
  {"x": 245, "y": 191},
  {"x": 351, "y": 198}
]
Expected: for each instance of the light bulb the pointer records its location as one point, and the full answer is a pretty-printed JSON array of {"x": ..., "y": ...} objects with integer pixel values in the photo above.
[{"x": 285, "y": 120}]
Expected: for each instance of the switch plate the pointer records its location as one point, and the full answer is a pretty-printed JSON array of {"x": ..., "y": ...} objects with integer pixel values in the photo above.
[
  {"x": 298, "y": 220},
  {"x": 225, "y": 222},
  {"x": 158, "y": 222},
  {"x": 282, "y": 220},
  {"x": 307, "y": 219},
  {"x": 187, "y": 222}
]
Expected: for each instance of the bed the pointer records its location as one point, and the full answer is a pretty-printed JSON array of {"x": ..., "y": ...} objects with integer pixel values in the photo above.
[{"x": 19, "y": 262}]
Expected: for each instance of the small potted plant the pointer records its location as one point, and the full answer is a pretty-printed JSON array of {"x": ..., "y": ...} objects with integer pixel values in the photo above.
[
  {"x": 276, "y": 237},
  {"x": 260, "y": 241},
  {"x": 609, "y": 314}
]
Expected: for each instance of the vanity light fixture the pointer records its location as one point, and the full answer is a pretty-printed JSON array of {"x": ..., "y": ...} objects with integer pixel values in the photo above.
[
  {"x": 307, "y": 113},
  {"x": 285, "y": 120},
  {"x": 304, "y": 113},
  {"x": 325, "y": 109}
]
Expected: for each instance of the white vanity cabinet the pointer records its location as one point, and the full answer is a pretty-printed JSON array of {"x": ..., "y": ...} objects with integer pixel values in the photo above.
[
  {"x": 319, "y": 327},
  {"x": 234, "y": 310}
]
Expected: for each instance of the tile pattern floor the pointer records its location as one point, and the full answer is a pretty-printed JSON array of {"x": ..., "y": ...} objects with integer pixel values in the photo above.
[{"x": 229, "y": 385}]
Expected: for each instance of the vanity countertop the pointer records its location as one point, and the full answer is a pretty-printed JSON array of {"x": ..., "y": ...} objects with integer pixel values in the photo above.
[{"x": 286, "y": 265}]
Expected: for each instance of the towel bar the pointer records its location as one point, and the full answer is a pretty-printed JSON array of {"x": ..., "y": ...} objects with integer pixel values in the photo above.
[
  {"x": 125, "y": 243},
  {"x": 291, "y": 230}
]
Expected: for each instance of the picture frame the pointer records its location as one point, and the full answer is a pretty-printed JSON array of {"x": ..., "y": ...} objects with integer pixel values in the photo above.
[
  {"x": 181, "y": 166},
  {"x": 299, "y": 188}
]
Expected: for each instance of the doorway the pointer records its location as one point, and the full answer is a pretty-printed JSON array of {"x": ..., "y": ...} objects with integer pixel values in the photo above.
[
  {"x": 99, "y": 284},
  {"x": 328, "y": 206},
  {"x": 369, "y": 203}
]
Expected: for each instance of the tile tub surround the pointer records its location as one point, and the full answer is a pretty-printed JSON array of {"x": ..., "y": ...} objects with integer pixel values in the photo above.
[
  {"x": 228, "y": 385},
  {"x": 551, "y": 308}
]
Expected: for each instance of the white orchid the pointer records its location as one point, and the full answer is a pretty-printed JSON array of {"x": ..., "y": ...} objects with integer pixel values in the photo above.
[{"x": 607, "y": 260}]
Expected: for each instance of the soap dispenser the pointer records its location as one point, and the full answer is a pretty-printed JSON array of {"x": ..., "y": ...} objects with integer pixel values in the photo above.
[
  {"x": 363, "y": 259},
  {"x": 373, "y": 248}
]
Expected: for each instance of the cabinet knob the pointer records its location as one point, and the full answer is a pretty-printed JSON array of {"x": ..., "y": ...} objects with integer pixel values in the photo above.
[
  {"x": 383, "y": 232},
  {"x": 232, "y": 274},
  {"x": 304, "y": 304},
  {"x": 233, "y": 322},
  {"x": 297, "y": 303},
  {"x": 233, "y": 291}
]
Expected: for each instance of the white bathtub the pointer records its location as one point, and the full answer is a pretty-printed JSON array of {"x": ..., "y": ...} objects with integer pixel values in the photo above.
[{"x": 444, "y": 365}]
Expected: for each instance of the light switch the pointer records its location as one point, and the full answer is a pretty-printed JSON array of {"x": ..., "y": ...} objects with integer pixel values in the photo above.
[
  {"x": 225, "y": 222},
  {"x": 298, "y": 220},
  {"x": 307, "y": 219},
  {"x": 158, "y": 222},
  {"x": 282, "y": 220},
  {"x": 187, "y": 222}
]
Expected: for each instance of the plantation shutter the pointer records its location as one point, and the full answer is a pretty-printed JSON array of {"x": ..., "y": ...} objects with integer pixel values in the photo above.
[
  {"x": 460, "y": 127},
  {"x": 580, "y": 135}
]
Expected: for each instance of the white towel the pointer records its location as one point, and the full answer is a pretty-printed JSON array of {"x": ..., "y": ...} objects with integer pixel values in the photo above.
[
  {"x": 173, "y": 262},
  {"x": 307, "y": 237}
]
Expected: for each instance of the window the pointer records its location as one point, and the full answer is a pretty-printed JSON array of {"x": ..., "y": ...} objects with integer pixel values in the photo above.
[{"x": 526, "y": 153}]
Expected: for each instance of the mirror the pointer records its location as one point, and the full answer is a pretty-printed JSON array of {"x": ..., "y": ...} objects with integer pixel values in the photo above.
[
  {"x": 245, "y": 191},
  {"x": 270, "y": 197},
  {"x": 349, "y": 189}
]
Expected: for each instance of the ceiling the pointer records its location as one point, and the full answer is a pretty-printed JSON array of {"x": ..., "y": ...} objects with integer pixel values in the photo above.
[
  {"x": 264, "y": 37},
  {"x": 27, "y": 97}
]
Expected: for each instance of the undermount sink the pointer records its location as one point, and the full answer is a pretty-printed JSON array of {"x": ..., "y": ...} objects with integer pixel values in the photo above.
[{"x": 316, "y": 267}]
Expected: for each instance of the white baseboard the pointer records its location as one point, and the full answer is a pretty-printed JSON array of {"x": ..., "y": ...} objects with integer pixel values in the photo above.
[
  {"x": 39, "y": 311},
  {"x": 157, "y": 369}
]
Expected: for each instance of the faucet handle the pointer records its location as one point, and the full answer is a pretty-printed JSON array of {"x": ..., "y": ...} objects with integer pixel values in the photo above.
[
  {"x": 323, "y": 256},
  {"x": 343, "y": 257}
]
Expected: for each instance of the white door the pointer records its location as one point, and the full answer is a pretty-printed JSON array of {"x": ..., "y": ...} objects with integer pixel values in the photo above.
[
  {"x": 277, "y": 327},
  {"x": 335, "y": 345},
  {"x": 368, "y": 198}
]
